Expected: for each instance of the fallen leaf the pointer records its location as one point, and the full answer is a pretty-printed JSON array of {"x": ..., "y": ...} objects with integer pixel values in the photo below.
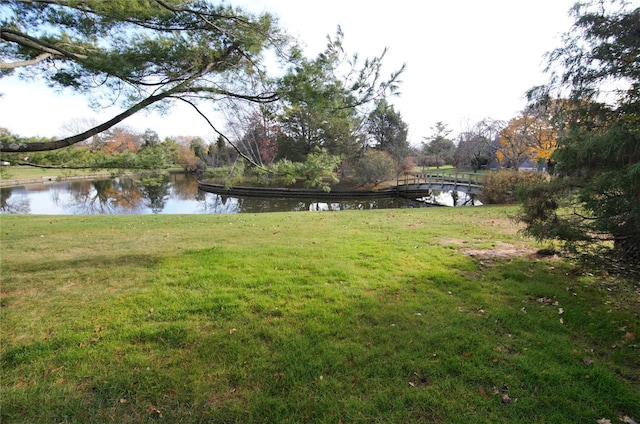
[
  {"x": 233, "y": 330},
  {"x": 628, "y": 420},
  {"x": 153, "y": 410},
  {"x": 629, "y": 336},
  {"x": 123, "y": 400},
  {"x": 483, "y": 392},
  {"x": 604, "y": 421},
  {"x": 506, "y": 398}
]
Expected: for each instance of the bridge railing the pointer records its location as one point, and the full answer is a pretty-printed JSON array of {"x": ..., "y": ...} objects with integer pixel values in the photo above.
[{"x": 456, "y": 178}]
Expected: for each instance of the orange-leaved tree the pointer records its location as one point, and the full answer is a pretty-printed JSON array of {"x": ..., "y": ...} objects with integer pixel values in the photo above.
[{"x": 529, "y": 136}]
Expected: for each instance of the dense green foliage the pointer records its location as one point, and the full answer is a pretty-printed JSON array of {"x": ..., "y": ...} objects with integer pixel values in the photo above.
[
  {"x": 374, "y": 167},
  {"x": 438, "y": 149},
  {"x": 503, "y": 187},
  {"x": 318, "y": 170},
  {"x": 406, "y": 316},
  {"x": 321, "y": 106},
  {"x": 387, "y": 132},
  {"x": 598, "y": 154}
]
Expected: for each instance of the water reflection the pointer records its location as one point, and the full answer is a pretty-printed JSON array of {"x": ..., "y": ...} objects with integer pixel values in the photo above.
[
  {"x": 17, "y": 204},
  {"x": 451, "y": 198},
  {"x": 222, "y": 204},
  {"x": 163, "y": 194}
]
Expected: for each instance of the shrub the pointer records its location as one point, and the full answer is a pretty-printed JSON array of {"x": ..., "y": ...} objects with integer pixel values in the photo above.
[
  {"x": 501, "y": 187},
  {"x": 374, "y": 167}
]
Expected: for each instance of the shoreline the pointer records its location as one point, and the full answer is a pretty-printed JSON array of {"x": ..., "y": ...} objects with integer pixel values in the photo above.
[{"x": 52, "y": 179}]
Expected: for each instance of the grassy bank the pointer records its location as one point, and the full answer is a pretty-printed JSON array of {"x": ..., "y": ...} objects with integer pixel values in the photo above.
[
  {"x": 22, "y": 173},
  {"x": 438, "y": 316},
  {"x": 30, "y": 172}
]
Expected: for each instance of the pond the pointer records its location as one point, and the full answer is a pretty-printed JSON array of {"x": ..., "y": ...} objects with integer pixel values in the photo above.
[{"x": 171, "y": 194}]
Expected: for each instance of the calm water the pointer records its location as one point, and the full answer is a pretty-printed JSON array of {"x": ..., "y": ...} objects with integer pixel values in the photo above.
[{"x": 169, "y": 194}]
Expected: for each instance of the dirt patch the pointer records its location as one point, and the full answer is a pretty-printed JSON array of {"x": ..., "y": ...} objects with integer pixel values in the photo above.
[
  {"x": 452, "y": 241},
  {"x": 501, "y": 251},
  {"x": 508, "y": 226}
]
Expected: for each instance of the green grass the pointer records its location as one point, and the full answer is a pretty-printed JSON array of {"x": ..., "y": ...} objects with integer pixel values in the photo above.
[
  {"x": 28, "y": 172},
  {"x": 9, "y": 173},
  {"x": 376, "y": 316}
]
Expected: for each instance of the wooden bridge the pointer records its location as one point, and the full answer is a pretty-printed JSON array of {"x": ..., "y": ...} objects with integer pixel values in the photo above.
[{"x": 410, "y": 185}]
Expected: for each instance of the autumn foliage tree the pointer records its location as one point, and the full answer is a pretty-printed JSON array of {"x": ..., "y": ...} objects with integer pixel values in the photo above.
[
  {"x": 528, "y": 136},
  {"x": 120, "y": 140}
]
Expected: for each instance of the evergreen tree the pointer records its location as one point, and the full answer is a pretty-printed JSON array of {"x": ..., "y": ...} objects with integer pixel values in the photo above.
[
  {"x": 388, "y": 132},
  {"x": 321, "y": 107},
  {"x": 143, "y": 53},
  {"x": 598, "y": 152}
]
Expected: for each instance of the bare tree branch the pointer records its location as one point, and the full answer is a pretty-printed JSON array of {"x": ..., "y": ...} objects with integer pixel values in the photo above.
[
  {"x": 247, "y": 158},
  {"x": 68, "y": 141},
  {"x": 33, "y": 43},
  {"x": 35, "y": 60}
]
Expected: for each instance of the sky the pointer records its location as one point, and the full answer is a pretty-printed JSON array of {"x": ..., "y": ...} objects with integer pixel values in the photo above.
[{"x": 466, "y": 60}]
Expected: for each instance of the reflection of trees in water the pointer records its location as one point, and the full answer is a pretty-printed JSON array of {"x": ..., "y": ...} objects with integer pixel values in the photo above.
[
  {"x": 18, "y": 204},
  {"x": 216, "y": 204},
  {"x": 117, "y": 196},
  {"x": 221, "y": 204},
  {"x": 451, "y": 198},
  {"x": 156, "y": 192},
  {"x": 126, "y": 196},
  {"x": 185, "y": 187}
]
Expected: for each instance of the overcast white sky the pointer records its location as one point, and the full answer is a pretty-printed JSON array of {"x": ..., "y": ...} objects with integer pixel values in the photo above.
[{"x": 466, "y": 60}]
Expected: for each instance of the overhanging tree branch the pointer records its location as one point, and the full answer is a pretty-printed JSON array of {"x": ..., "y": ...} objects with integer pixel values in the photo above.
[
  {"x": 21, "y": 63},
  {"x": 19, "y": 147},
  {"x": 149, "y": 52},
  {"x": 25, "y": 40}
]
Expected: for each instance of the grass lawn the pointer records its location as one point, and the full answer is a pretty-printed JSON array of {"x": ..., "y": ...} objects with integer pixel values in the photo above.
[
  {"x": 8, "y": 173},
  {"x": 435, "y": 315},
  {"x": 28, "y": 172}
]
